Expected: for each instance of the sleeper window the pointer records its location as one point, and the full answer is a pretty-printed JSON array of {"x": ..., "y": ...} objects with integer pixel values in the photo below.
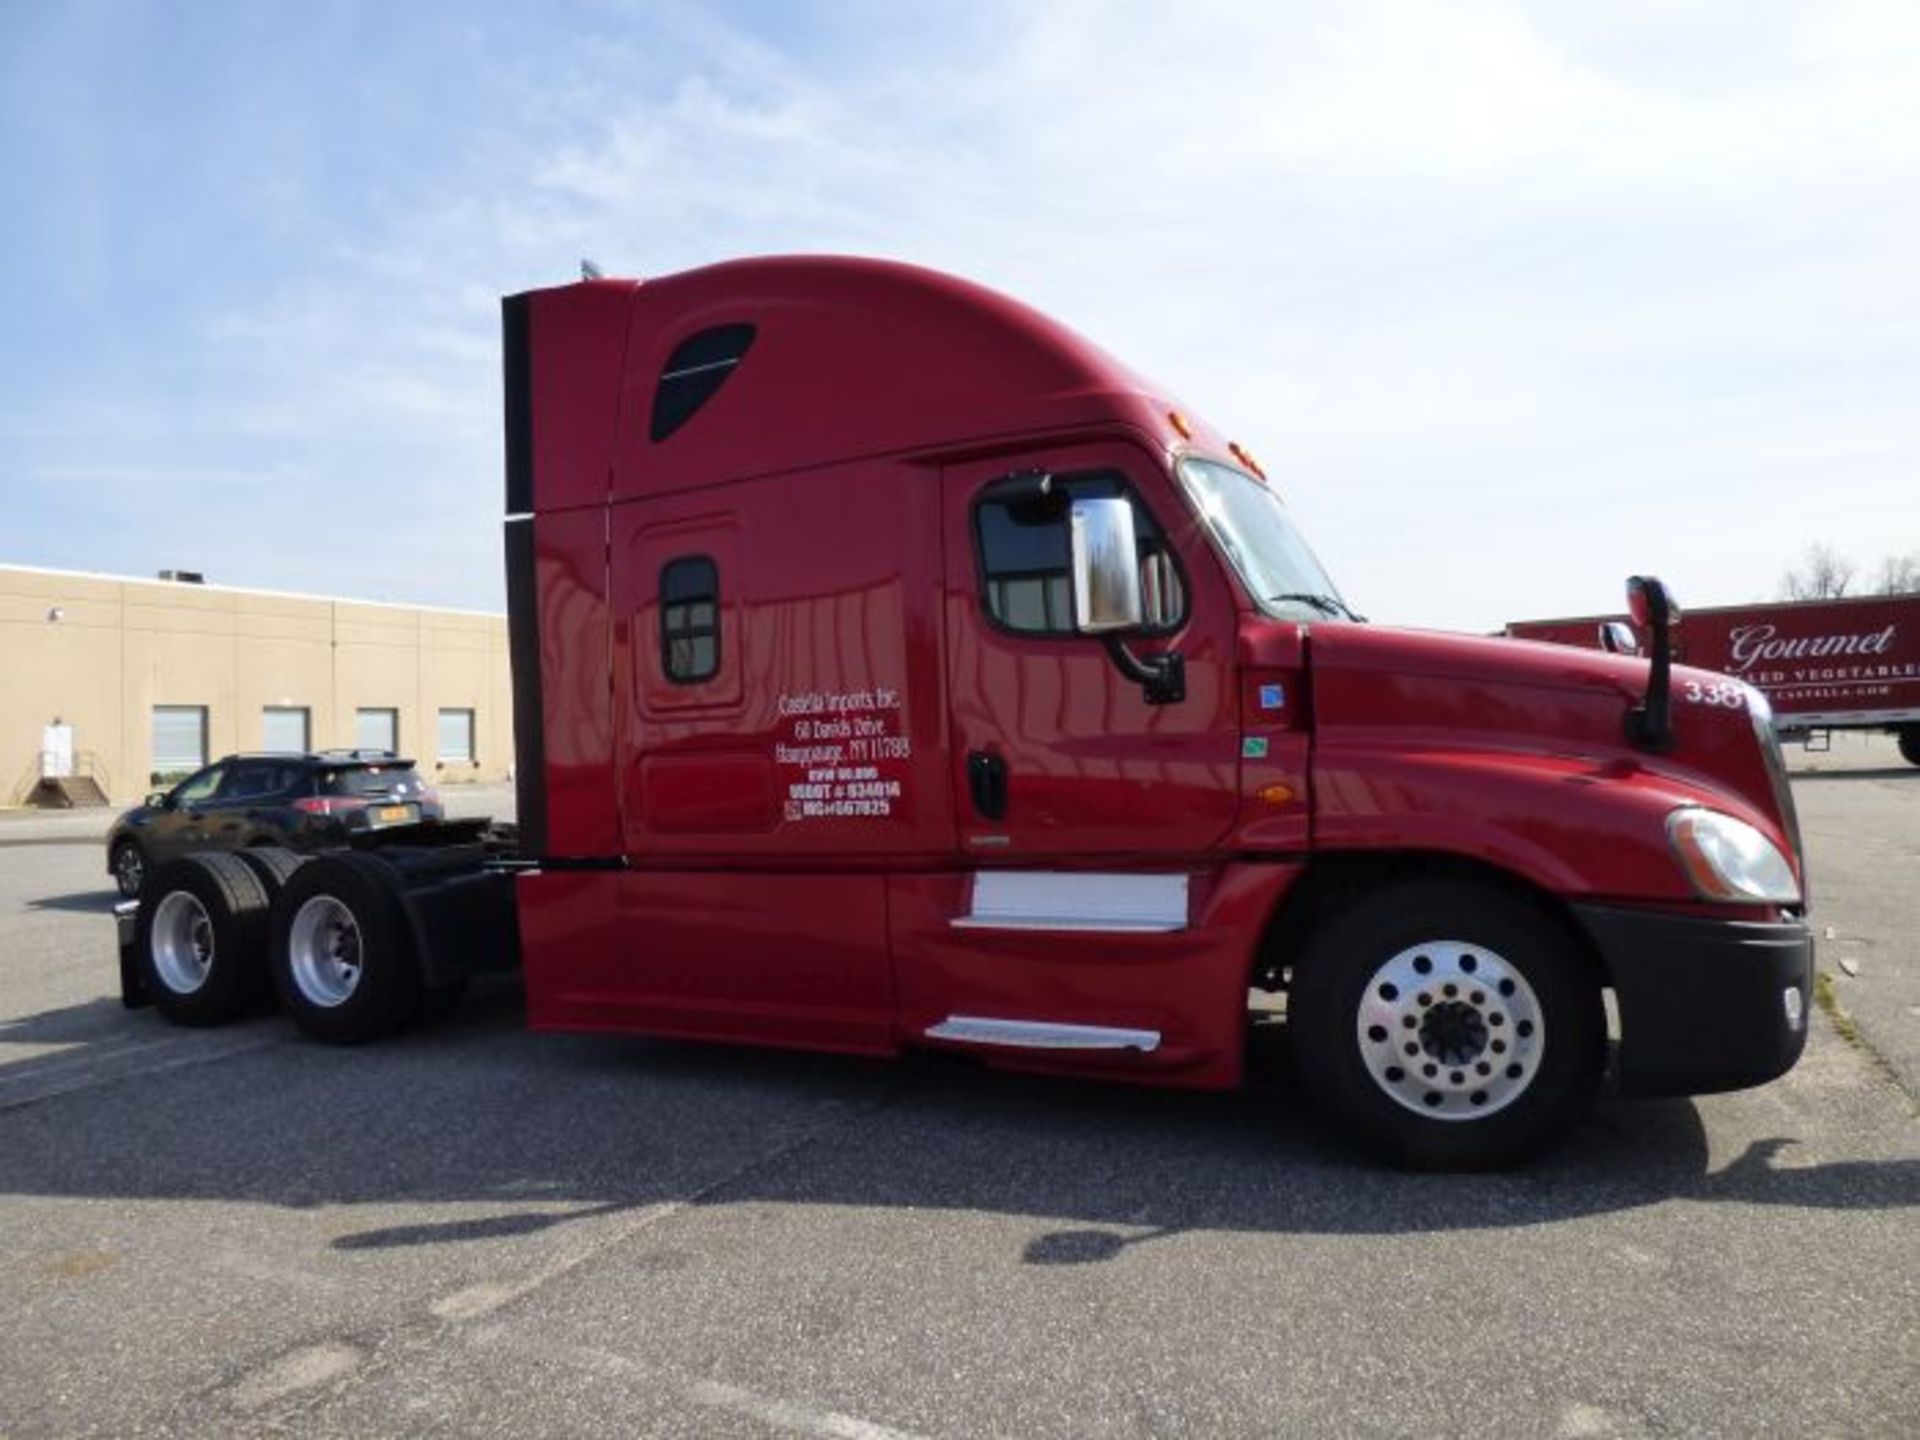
[
  {"x": 690, "y": 619},
  {"x": 694, "y": 373},
  {"x": 1026, "y": 562}
]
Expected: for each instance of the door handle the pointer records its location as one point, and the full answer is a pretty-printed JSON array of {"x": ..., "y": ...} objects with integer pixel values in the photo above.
[{"x": 987, "y": 780}]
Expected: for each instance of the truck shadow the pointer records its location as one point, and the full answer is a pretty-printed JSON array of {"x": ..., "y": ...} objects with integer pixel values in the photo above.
[
  {"x": 81, "y": 902},
  {"x": 545, "y": 1131},
  {"x": 94, "y": 1020}
]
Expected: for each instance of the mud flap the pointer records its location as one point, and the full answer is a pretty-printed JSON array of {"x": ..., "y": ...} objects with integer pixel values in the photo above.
[{"x": 126, "y": 920}]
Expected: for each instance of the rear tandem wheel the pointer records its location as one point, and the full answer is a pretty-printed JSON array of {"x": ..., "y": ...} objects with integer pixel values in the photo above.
[
  {"x": 342, "y": 957},
  {"x": 200, "y": 939}
]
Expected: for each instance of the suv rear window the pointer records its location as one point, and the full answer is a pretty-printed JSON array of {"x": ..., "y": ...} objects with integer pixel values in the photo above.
[{"x": 371, "y": 780}]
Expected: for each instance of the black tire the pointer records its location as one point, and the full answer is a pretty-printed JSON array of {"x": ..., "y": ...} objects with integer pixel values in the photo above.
[
  {"x": 127, "y": 863},
  {"x": 1447, "y": 1074},
  {"x": 273, "y": 865},
  {"x": 345, "y": 969},
  {"x": 201, "y": 939},
  {"x": 1910, "y": 744}
]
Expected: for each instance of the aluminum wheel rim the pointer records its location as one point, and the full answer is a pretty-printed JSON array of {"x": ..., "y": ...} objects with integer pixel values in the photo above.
[
  {"x": 128, "y": 868},
  {"x": 324, "y": 952},
  {"x": 1451, "y": 1030},
  {"x": 182, "y": 942}
]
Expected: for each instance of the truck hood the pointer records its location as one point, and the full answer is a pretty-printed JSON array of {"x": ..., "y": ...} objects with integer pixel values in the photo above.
[
  {"x": 1515, "y": 707},
  {"x": 1467, "y": 659}
]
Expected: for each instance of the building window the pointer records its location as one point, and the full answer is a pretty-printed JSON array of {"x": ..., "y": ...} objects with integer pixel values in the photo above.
[
  {"x": 377, "y": 729},
  {"x": 285, "y": 729},
  {"x": 456, "y": 737},
  {"x": 1026, "y": 560},
  {"x": 690, "y": 619},
  {"x": 179, "y": 741}
]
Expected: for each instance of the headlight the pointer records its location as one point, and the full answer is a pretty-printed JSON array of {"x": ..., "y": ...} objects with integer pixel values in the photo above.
[
  {"x": 1727, "y": 859},
  {"x": 1764, "y": 733}
]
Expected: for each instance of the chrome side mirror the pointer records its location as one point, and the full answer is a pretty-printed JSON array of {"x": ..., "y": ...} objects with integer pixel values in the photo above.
[
  {"x": 1106, "y": 567},
  {"x": 1617, "y": 638}
]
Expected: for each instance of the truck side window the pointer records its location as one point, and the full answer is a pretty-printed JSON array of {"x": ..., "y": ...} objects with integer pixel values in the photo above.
[
  {"x": 690, "y": 619},
  {"x": 697, "y": 368},
  {"x": 1025, "y": 561}
]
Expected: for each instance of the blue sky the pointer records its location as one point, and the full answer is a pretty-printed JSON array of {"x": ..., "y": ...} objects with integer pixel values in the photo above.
[{"x": 1512, "y": 300}]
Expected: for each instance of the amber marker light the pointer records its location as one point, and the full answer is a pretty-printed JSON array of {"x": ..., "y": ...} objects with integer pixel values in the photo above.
[
  {"x": 1274, "y": 794},
  {"x": 1180, "y": 425}
]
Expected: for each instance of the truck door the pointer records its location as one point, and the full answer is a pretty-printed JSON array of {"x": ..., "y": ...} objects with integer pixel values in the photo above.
[
  {"x": 1057, "y": 754},
  {"x": 1086, "y": 913},
  {"x": 778, "y": 729}
]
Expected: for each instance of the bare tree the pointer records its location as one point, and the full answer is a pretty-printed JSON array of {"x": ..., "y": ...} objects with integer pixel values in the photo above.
[
  {"x": 1898, "y": 575},
  {"x": 1823, "y": 575}
]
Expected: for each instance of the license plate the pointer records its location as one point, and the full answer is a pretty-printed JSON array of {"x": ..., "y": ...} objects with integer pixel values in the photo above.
[{"x": 393, "y": 814}]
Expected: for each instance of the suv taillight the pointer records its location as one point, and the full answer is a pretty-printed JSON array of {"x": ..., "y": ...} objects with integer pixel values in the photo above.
[{"x": 328, "y": 804}]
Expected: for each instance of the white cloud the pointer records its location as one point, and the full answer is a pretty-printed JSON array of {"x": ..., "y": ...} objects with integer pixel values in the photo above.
[{"x": 1515, "y": 300}]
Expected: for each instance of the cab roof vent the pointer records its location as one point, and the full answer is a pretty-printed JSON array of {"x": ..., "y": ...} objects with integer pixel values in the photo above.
[{"x": 697, "y": 368}]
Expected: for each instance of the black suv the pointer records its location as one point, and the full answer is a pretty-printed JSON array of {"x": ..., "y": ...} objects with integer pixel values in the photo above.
[{"x": 305, "y": 802}]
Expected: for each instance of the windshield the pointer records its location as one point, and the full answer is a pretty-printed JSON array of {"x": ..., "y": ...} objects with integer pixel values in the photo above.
[{"x": 1251, "y": 526}]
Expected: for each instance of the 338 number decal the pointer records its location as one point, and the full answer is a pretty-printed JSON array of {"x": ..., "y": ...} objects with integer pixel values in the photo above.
[{"x": 1729, "y": 693}]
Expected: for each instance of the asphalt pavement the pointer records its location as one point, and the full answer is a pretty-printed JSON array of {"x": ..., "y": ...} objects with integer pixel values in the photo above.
[
  {"x": 470, "y": 1229},
  {"x": 1859, "y": 808}
]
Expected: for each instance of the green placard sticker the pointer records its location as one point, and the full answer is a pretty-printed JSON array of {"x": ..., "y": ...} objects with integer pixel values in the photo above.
[{"x": 1253, "y": 747}]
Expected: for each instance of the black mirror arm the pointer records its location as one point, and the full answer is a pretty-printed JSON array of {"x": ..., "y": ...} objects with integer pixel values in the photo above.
[
  {"x": 1650, "y": 726},
  {"x": 1163, "y": 678},
  {"x": 1650, "y": 723}
]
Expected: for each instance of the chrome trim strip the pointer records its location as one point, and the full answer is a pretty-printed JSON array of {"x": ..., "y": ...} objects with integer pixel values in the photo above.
[
  {"x": 1084, "y": 924},
  {"x": 1101, "y": 902},
  {"x": 1041, "y": 1034},
  {"x": 687, "y": 370},
  {"x": 1836, "y": 719}
]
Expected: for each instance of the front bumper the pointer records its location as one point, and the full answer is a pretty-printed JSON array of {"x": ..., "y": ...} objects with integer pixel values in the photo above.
[{"x": 1705, "y": 1004}]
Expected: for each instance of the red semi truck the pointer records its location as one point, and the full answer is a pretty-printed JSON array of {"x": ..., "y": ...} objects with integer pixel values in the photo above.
[
  {"x": 894, "y": 669},
  {"x": 1824, "y": 665}
]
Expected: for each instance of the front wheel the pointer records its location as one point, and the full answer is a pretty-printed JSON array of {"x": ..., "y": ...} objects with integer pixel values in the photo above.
[
  {"x": 1447, "y": 1025},
  {"x": 1910, "y": 744}
]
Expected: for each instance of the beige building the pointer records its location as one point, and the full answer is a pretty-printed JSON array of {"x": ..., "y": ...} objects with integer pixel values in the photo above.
[{"x": 134, "y": 681}]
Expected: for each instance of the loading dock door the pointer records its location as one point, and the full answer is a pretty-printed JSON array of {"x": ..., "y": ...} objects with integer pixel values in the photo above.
[
  {"x": 377, "y": 730},
  {"x": 283, "y": 729},
  {"x": 179, "y": 739}
]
